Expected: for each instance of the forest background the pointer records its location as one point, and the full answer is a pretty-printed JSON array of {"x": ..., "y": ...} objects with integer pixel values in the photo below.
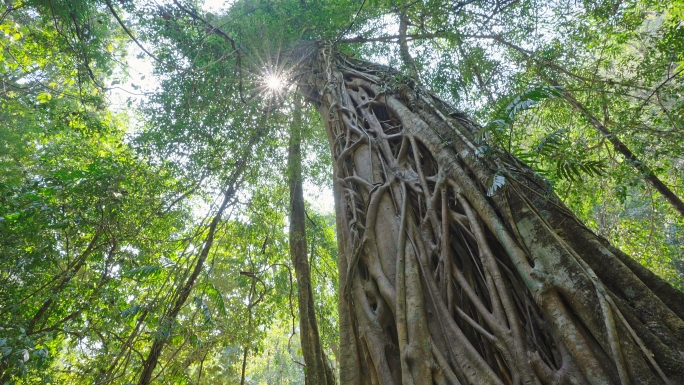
[{"x": 114, "y": 184}]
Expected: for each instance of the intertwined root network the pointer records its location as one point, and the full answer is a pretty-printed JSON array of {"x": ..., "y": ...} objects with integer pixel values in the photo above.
[{"x": 483, "y": 287}]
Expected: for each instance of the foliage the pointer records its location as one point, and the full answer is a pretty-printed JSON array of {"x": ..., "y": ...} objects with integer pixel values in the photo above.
[
  {"x": 619, "y": 61},
  {"x": 103, "y": 213}
]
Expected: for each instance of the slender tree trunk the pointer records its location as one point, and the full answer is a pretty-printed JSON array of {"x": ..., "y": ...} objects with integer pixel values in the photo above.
[
  {"x": 64, "y": 281},
  {"x": 248, "y": 340},
  {"x": 318, "y": 371},
  {"x": 456, "y": 267},
  {"x": 185, "y": 287},
  {"x": 646, "y": 173},
  {"x": 182, "y": 294}
]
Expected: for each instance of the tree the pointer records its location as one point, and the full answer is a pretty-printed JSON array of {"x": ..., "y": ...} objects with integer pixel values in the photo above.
[
  {"x": 458, "y": 264},
  {"x": 618, "y": 110},
  {"x": 79, "y": 207},
  {"x": 318, "y": 370}
]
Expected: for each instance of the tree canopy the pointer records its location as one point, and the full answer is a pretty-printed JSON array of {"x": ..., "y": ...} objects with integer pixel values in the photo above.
[{"x": 151, "y": 205}]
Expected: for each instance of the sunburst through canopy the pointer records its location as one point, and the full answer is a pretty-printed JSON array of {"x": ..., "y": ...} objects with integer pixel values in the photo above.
[{"x": 275, "y": 83}]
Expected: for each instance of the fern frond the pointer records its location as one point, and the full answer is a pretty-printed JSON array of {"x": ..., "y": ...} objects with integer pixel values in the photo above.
[
  {"x": 143, "y": 272},
  {"x": 204, "y": 308},
  {"x": 495, "y": 182},
  {"x": 215, "y": 296},
  {"x": 575, "y": 169},
  {"x": 551, "y": 142},
  {"x": 529, "y": 99}
]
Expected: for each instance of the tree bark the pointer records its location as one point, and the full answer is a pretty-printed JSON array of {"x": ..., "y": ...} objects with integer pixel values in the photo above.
[
  {"x": 318, "y": 371},
  {"x": 460, "y": 267}
]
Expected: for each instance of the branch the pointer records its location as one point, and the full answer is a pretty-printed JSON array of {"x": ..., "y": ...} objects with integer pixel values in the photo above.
[
  {"x": 529, "y": 55},
  {"x": 646, "y": 172},
  {"x": 128, "y": 32},
  {"x": 391, "y": 38},
  {"x": 225, "y": 37},
  {"x": 404, "y": 49},
  {"x": 185, "y": 288},
  {"x": 352, "y": 22},
  {"x": 213, "y": 29}
]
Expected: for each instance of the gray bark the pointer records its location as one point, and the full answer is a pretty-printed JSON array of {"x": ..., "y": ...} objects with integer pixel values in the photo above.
[{"x": 460, "y": 267}]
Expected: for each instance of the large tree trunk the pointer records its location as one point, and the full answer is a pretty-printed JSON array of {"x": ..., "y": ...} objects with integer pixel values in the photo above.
[{"x": 459, "y": 265}]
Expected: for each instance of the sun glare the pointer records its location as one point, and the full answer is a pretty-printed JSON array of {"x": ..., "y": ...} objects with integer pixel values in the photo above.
[{"x": 275, "y": 83}]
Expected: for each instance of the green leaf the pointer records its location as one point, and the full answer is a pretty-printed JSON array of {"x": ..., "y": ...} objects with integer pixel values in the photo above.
[
  {"x": 215, "y": 295},
  {"x": 177, "y": 339},
  {"x": 44, "y": 97},
  {"x": 143, "y": 272},
  {"x": 529, "y": 99},
  {"x": 62, "y": 225},
  {"x": 550, "y": 142},
  {"x": 573, "y": 170},
  {"x": 204, "y": 308},
  {"x": 495, "y": 182},
  {"x": 194, "y": 340},
  {"x": 131, "y": 311}
]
